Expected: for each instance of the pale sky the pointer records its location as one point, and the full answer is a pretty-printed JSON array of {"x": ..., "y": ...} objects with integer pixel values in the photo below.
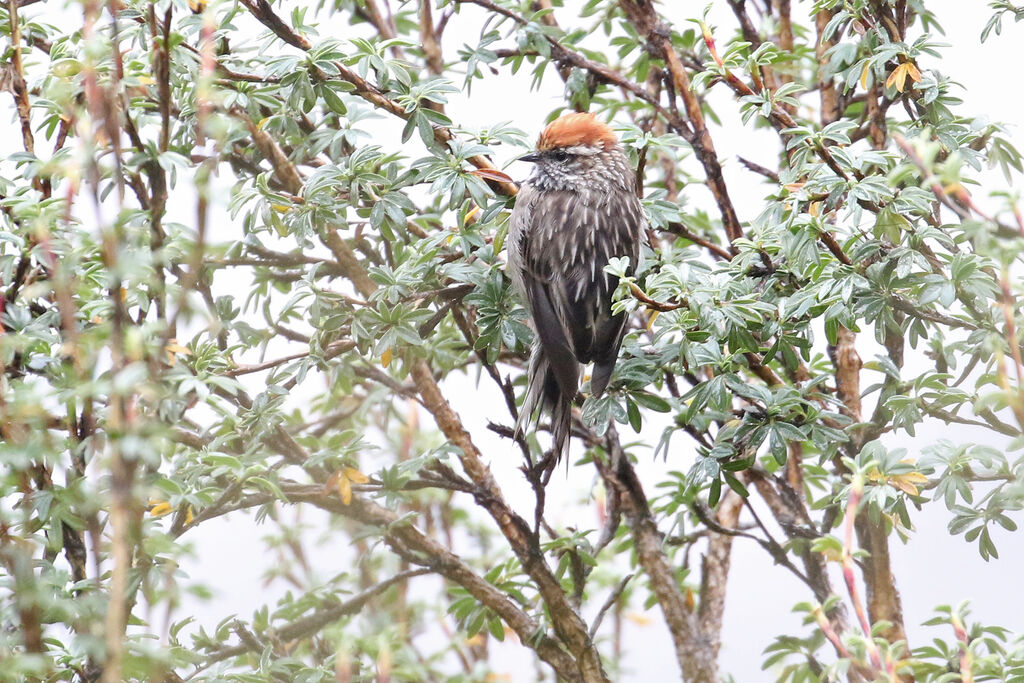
[{"x": 932, "y": 569}]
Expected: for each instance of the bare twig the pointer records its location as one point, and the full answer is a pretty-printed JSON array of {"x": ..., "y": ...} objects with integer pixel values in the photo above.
[
  {"x": 696, "y": 660},
  {"x": 613, "y": 597},
  {"x": 643, "y": 16},
  {"x": 313, "y": 623},
  {"x": 17, "y": 78},
  {"x": 682, "y": 231}
]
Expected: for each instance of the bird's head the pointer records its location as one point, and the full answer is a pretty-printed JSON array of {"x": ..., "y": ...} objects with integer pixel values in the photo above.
[{"x": 575, "y": 148}]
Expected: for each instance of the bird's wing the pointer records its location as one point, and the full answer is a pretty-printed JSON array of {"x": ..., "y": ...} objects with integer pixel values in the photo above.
[
  {"x": 564, "y": 242},
  {"x": 619, "y": 228},
  {"x": 533, "y": 255}
]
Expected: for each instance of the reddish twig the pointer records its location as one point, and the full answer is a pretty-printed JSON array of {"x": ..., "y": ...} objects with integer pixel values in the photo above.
[{"x": 856, "y": 491}]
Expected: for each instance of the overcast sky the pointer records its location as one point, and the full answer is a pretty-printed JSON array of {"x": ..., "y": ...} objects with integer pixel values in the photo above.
[
  {"x": 230, "y": 557},
  {"x": 761, "y": 594}
]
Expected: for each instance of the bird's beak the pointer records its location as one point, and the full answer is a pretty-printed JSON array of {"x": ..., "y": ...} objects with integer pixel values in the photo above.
[{"x": 531, "y": 157}]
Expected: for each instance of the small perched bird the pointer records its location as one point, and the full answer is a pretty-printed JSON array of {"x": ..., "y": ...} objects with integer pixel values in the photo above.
[{"x": 578, "y": 209}]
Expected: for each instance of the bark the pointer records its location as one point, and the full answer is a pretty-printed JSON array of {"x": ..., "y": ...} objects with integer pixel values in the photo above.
[
  {"x": 642, "y": 15},
  {"x": 696, "y": 647},
  {"x": 828, "y": 91}
]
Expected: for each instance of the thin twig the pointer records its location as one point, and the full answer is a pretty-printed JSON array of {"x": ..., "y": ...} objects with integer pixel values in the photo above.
[{"x": 613, "y": 597}]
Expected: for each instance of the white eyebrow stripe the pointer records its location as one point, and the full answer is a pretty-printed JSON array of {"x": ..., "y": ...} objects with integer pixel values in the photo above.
[{"x": 582, "y": 150}]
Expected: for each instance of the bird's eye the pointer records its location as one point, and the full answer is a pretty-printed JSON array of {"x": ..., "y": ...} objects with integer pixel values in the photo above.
[{"x": 559, "y": 155}]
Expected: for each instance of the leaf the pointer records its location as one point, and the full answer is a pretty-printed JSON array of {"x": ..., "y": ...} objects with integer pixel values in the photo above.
[
  {"x": 174, "y": 348},
  {"x": 497, "y": 629},
  {"x": 715, "y": 493},
  {"x": 633, "y": 413},
  {"x": 334, "y": 102},
  {"x": 653, "y": 316},
  {"x": 891, "y": 225},
  {"x": 344, "y": 487},
  {"x": 652, "y": 402},
  {"x": 355, "y": 476},
  {"x": 639, "y": 618},
  {"x": 898, "y": 78},
  {"x": 908, "y": 482},
  {"x": 492, "y": 174},
  {"x": 160, "y": 508},
  {"x": 735, "y": 484}
]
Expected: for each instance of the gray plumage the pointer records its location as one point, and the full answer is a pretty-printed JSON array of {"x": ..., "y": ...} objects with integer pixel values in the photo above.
[{"x": 578, "y": 209}]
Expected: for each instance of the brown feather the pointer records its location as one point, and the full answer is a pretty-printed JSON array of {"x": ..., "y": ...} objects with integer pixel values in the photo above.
[
  {"x": 578, "y": 210},
  {"x": 576, "y": 129}
]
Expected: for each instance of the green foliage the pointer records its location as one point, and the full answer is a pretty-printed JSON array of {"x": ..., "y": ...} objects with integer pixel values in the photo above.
[{"x": 241, "y": 244}]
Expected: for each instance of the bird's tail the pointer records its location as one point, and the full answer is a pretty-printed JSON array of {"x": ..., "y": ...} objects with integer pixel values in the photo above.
[{"x": 544, "y": 392}]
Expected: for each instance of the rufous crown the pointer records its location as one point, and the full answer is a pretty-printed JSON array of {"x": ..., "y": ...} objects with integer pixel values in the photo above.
[{"x": 576, "y": 129}]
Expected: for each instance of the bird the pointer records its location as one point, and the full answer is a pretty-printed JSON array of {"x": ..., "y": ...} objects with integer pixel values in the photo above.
[{"x": 578, "y": 209}]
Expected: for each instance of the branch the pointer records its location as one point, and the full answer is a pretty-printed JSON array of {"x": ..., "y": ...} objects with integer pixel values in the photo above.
[
  {"x": 715, "y": 571},
  {"x": 906, "y": 306},
  {"x": 567, "y": 623},
  {"x": 847, "y": 364},
  {"x": 17, "y": 78},
  {"x": 333, "y": 349},
  {"x": 696, "y": 660},
  {"x": 262, "y": 10},
  {"x": 609, "y": 603},
  {"x": 848, "y": 576},
  {"x": 604, "y": 73},
  {"x": 659, "y": 306},
  {"x": 314, "y": 623},
  {"x": 1015, "y": 397},
  {"x": 684, "y": 232},
  {"x": 405, "y": 537},
  {"x": 644, "y": 18}
]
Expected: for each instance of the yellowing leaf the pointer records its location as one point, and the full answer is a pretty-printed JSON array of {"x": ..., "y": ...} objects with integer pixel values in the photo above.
[
  {"x": 912, "y": 70},
  {"x": 639, "y": 619},
  {"x": 908, "y": 482},
  {"x": 654, "y": 316},
  {"x": 898, "y": 78},
  {"x": 385, "y": 358},
  {"x": 814, "y": 209},
  {"x": 160, "y": 509},
  {"x": 355, "y": 476},
  {"x": 345, "y": 489},
  {"x": 864, "y": 75},
  {"x": 280, "y": 208},
  {"x": 174, "y": 348},
  {"x": 189, "y": 517}
]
